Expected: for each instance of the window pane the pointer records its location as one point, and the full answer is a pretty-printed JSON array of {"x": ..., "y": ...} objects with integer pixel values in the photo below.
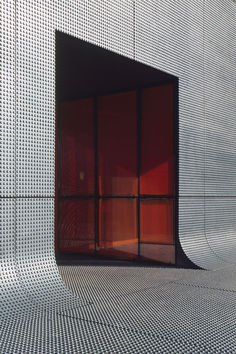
[
  {"x": 118, "y": 227},
  {"x": 158, "y": 252},
  {"x": 157, "y": 141},
  {"x": 76, "y": 226},
  {"x": 117, "y": 144},
  {"x": 76, "y": 147},
  {"x": 156, "y": 221}
]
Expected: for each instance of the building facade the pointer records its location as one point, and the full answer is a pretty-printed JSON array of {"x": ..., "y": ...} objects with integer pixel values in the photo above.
[{"x": 193, "y": 43}]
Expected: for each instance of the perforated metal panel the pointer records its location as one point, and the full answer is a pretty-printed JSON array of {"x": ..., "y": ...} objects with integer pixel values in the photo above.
[
  {"x": 7, "y": 92},
  {"x": 220, "y": 98},
  {"x": 220, "y": 214},
  {"x": 30, "y": 276},
  {"x": 193, "y": 239},
  {"x": 37, "y": 270},
  {"x": 220, "y": 127},
  {"x": 36, "y": 23},
  {"x": 35, "y": 98},
  {"x": 178, "y": 306},
  {"x": 12, "y": 295},
  {"x": 194, "y": 40}
]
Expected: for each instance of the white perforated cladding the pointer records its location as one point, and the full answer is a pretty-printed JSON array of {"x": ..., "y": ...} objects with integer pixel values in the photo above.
[
  {"x": 220, "y": 98},
  {"x": 35, "y": 89},
  {"x": 194, "y": 40},
  {"x": 28, "y": 139},
  {"x": 7, "y": 94}
]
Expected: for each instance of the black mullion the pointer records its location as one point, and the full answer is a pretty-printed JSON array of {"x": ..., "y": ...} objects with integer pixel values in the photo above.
[
  {"x": 176, "y": 169},
  {"x": 110, "y": 196},
  {"x": 96, "y": 186},
  {"x": 139, "y": 113},
  {"x": 91, "y": 196},
  {"x": 58, "y": 186},
  {"x": 77, "y": 196},
  {"x": 156, "y": 196}
]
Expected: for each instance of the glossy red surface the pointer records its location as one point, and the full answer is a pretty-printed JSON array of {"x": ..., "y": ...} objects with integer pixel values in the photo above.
[
  {"x": 156, "y": 221},
  {"x": 76, "y": 147},
  {"x": 118, "y": 227},
  {"x": 157, "y": 156},
  {"x": 117, "y": 144},
  {"x": 117, "y": 173},
  {"x": 76, "y": 227}
]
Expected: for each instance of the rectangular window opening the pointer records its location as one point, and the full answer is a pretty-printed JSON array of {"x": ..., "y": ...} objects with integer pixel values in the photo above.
[{"x": 116, "y": 158}]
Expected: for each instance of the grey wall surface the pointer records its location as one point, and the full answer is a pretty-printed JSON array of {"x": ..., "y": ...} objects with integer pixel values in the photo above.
[{"x": 194, "y": 40}]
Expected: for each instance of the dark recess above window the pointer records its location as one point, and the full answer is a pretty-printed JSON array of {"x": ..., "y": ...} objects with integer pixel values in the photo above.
[{"x": 84, "y": 69}]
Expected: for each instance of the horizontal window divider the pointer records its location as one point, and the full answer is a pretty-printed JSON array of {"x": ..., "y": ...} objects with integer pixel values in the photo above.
[
  {"x": 156, "y": 243},
  {"x": 118, "y": 196},
  {"x": 150, "y": 196},
  {"x": 93, "y": 196},
  {"x": 141, "y": 196}
]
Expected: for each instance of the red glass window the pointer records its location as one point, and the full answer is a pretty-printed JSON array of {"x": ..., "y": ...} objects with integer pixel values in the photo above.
[
  {"x": 157, "y": 141},
  {"x": 76, "y": 227},
  {"x": 117, "y": 149},
  {"x": 117, "y": 144},
  {"x": 76, "y": 147},
  {"x": 156, "y": 221},
  {"x": 158, "y": 252},
  {"x": 118, "y": 226}
]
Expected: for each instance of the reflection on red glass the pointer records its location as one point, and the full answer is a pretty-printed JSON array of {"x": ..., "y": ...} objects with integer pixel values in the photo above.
[
  {"x": 118, "y": 229},
  {"x": 76, "y": 147},
  {"x": 156, "y": 221},
  {"x": 157, "y": 141},
  {"x": 158, "y": 252},
  {"x": 76, "y": 226},
  {"x": 117, "y": 175},
  {"x": 117, "y": 144}
]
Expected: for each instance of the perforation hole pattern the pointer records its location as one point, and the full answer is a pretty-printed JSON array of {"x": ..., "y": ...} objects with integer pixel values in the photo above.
[{"x": 194, "y": 40}]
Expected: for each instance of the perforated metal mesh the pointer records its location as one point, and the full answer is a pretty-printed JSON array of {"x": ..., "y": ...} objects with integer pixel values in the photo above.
[
  {"x": 220, "y": 98},
  {"x": 35, "y": 98},
  {"x": 196, "y": 246},
  {"x": 136, "y": 309},
  {"x": 192, "y": 309},
  {"x": 194, "y": 40},
  {"x": 7, "y": 107}
]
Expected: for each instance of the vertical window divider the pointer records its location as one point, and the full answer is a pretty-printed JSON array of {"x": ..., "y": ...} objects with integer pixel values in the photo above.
[
  {"x": 58, "y": 177},
  {"x": 96, "y": 191},
  {"x": 139, "y": 116},
  {"x": 176, "y": 169}
]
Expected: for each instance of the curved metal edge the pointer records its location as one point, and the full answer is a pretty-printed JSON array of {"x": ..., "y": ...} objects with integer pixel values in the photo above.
[{"x": 192, "y": 236}]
